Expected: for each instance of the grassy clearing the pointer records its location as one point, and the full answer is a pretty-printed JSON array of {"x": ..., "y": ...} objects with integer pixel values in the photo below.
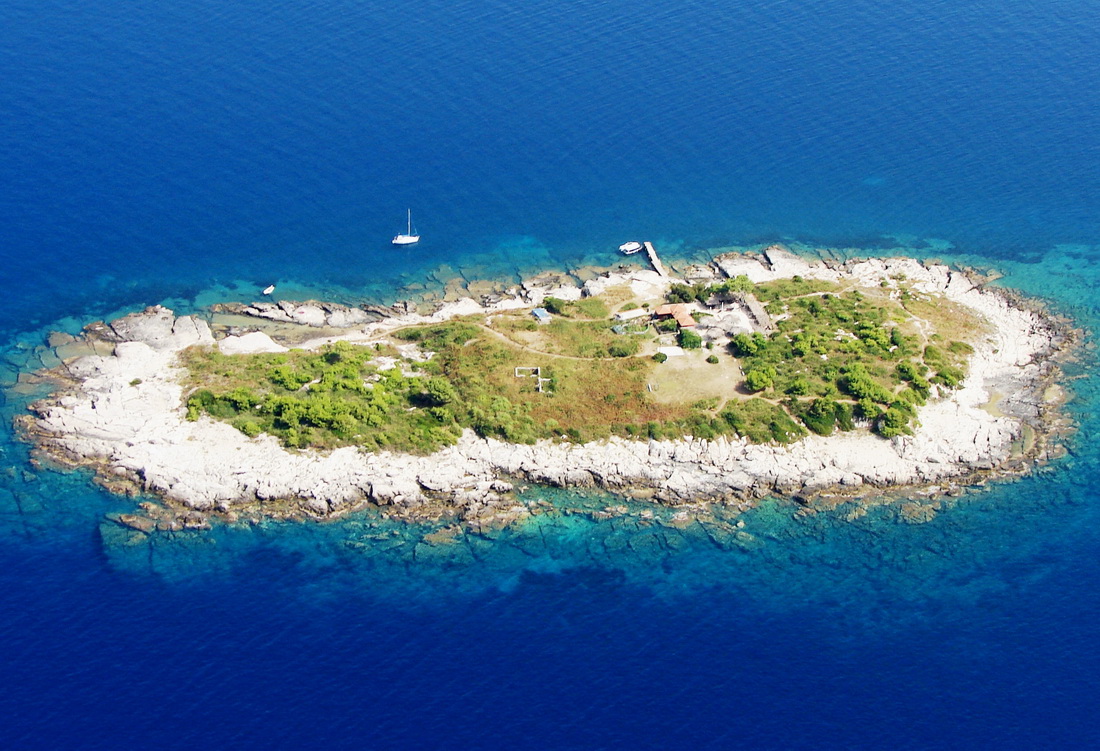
[
  {"x": 838, "y": 355},
  {"x": 583, "y": 399},
  {"x": 584, "y": 338}
]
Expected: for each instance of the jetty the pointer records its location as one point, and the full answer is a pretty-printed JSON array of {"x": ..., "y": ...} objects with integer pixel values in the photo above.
[{"x": 654, "y": 260}]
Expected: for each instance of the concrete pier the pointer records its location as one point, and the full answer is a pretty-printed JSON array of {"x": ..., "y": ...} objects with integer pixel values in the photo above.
[{"x": 653, "y": 259}]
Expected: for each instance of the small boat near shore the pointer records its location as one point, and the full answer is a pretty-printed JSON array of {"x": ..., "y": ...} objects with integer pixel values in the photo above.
[
  {"x": 408, "y": 238},
  {"x": 269, "y": 289},
  {"x": 630, "y": 248}
]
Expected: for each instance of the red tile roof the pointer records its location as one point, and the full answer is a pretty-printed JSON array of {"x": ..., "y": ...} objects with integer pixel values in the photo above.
[{"x": 677, "y": 310}]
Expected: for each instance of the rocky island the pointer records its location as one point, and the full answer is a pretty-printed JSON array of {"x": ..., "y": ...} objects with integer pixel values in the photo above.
[{"x": 755, "y": 374}]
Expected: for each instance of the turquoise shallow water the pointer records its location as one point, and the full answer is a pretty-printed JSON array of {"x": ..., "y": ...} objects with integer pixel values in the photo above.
[
  {"x": 773, "y": 561},
  {"x": 580, "y": 602}
]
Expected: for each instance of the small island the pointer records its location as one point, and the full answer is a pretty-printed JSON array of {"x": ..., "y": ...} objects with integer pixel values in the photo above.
[{"x": 755, "y": 374}]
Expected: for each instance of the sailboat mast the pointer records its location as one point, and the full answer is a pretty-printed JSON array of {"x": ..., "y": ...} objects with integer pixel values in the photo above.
[{"x": 409, "y": 231}]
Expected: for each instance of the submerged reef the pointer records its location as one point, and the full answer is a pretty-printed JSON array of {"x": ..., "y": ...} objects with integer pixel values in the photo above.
[{"x": 131, "y": 403}]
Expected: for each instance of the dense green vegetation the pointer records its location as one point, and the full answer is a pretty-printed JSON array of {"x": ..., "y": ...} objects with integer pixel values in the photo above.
[
  {"x": 835, "y": 358},
  {"x": 761, "y": 421},
  {"x": 837, "y": 355},
  {"x": 329, "y": 398}
]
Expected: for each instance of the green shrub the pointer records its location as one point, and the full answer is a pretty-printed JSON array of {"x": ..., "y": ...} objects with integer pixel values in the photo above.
[
  {"x": 442, "y": 415},
  {"x": 857, "y": 382},
  {"x": 892, "y": 422},
  {"x": 739, "y": 283},
  {"x": 950, "y": 377},
  {"x": 623, "y": 348},
  {"x": 713, "y": 359},
  {"x": 799, "y": 386},
  {"x": 554, "y": 305},
  {"x": 844, "y": 416},
  {"x": 907, "y": 370},
  {"x": 288, "y": 378},
  {"x": 820, "y": 417},
  {"x": 660, "y": 357},
  {"x": 249, "y": 427}
]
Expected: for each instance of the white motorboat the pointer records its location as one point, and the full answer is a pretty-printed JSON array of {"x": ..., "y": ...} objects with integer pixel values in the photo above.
[
  {"x": 408, "y": 238},
  {"x": 630, "y": 248},
  {"x": 269, "y": 289}
]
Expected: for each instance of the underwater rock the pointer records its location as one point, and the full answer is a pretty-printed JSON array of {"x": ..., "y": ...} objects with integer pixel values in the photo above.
[{"x": 913, "y": 512}]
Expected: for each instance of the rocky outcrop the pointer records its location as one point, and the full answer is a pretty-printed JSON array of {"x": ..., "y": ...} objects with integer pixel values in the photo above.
[
  {"x": 124, "y": 417},
  {"x": 251, "y": 343},
  {"x": 310, "y": 313}
]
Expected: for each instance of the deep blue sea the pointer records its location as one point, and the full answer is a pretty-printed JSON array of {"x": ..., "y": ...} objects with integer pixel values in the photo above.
[{"x": 196, "y": 151}]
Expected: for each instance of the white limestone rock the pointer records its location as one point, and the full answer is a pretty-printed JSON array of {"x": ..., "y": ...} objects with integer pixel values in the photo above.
[
  {"x": 127, "y": 412},
  {"x": 249, "y": 344}
]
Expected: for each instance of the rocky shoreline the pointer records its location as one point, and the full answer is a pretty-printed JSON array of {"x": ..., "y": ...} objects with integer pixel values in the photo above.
[{"x": 119, "y": 412}]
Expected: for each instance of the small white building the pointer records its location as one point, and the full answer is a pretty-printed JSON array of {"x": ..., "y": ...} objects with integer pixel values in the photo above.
[{"x": 630, "y": 315}]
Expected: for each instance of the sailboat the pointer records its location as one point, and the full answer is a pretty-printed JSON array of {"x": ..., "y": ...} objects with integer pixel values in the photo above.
[{"x": 408, "y": 238}]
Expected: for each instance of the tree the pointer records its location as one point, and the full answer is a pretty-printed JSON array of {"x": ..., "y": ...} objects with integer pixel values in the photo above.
[
  {"x": 908, "y": 371},
  {"x": 680, "y": 293},
  {"x": 739, "y": 283},
  {"x": 857, "y": 382},
  {"x": 758, "y": 380},
  {"x": 821, "y": 416},
  {"x": 867, "y": 409},
  {"x": 745, "y": 345},
  {"x": 438, "y": 392},
  {"x": 690, "y": 340},
  {"x": 289, "y": 379}
]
